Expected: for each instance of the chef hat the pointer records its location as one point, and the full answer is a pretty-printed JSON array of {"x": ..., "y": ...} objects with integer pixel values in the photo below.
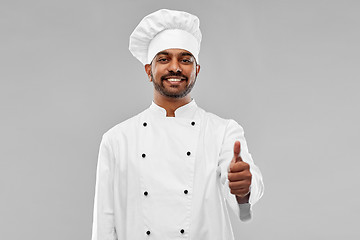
[{"x": 165, "y": 29}]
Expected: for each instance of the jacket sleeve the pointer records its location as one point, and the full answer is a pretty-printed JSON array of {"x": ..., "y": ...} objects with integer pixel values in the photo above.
[
  {"x": 103, "y": 216},
  {"x": 234, "y": 132}
]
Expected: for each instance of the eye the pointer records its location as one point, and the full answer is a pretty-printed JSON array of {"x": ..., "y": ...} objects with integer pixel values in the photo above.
[
  {"x": 162, "y": 59},
  {"x": 185, "y": 60}
]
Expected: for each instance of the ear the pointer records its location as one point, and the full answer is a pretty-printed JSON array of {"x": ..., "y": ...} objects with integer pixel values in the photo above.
[
  {"x": 197, "y": 69},
  {"x": 148, "y": 71}
]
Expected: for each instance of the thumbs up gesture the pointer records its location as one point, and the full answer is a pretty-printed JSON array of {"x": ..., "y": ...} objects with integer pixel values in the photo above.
[{"x": 239, "y": 176}]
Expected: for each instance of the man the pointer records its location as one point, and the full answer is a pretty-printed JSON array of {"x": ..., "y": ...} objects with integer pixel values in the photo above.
[{"x": 173, "y": 171}]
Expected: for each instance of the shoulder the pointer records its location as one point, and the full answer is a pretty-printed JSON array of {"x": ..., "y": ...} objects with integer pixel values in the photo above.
[
  {"x": 124, "y": 127},
  {"x": 219, "y": 122}
]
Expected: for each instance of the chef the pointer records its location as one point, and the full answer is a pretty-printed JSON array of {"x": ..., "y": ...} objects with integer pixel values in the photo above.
[{"x": 174, "y": 171}]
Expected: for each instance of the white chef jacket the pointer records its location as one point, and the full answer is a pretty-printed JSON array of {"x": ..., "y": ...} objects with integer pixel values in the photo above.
[{"x": 165, "y": 178}]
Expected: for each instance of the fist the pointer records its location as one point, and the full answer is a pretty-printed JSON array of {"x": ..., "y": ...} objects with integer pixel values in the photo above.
[{"x": 239, "y": 174}]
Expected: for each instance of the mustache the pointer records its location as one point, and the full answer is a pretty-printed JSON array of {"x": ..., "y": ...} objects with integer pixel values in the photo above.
[{"x": 174, "y": 75}]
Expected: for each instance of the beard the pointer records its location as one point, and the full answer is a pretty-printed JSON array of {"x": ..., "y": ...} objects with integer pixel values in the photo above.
[{"x": 162, "y": 90}]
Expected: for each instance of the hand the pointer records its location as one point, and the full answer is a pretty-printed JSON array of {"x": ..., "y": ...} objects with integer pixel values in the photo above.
[{"x": 239, "y": 175}]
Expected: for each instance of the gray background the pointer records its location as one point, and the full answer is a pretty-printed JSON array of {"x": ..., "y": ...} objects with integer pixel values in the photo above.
[{"x": 287, "y": 71}]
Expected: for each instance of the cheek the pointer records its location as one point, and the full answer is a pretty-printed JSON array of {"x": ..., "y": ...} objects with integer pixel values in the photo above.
[
  {"x": 193, "y": 71},
  {"x": 157, "y": 72},
  {"x": 192, "y": 74}
]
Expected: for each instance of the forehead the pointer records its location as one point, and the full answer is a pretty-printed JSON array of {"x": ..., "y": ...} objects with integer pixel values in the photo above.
[{"x": 175, "y": 52}]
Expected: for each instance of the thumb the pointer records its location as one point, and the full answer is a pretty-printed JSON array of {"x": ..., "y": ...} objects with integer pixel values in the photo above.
[{"x": 237, "y": 149}]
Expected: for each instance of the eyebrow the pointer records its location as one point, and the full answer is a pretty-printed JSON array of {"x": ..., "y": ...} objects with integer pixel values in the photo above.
[
  {"x": 162, "y": 53},
  {"x": 182, "y": 54},
  {"x": 186, "y": 54}
]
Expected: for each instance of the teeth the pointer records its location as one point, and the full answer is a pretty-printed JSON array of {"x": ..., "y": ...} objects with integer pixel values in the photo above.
[{"x": 174, "y": 80}]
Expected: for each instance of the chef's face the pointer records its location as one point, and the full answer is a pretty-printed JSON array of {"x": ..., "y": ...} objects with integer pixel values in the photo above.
[{"x": 173, "y": 72}]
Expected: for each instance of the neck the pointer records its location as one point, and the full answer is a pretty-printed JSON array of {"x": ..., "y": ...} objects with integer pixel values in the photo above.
[{"x": 171, "y": 104}]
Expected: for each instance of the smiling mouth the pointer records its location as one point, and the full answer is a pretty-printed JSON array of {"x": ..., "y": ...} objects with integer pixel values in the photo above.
[{"x": 174, "y": 79}]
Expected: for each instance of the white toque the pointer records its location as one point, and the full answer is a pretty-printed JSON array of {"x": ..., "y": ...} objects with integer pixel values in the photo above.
[{"x": 165, "y": 29}]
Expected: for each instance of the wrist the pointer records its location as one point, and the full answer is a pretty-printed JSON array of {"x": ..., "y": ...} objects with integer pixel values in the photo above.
[{"x": 244, "y": 199}]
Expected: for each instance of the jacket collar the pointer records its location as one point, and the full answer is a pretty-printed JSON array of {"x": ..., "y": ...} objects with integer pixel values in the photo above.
[{"x": 186, "y": 111}]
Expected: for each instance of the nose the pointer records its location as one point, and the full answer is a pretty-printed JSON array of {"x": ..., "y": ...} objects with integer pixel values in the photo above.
[{"x": 174, "y": 66}]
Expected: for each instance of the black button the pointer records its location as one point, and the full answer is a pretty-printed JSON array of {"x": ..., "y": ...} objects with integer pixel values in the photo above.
[
  {"x": 148, "y": 232},
  {"x": 146, "y": 193},
  {"x": 144, "y": 124},
  {"x": 143, "y": 155},
  {"x": 193, "y": 123},
  {"x": 182, "y": 230},
  {"x": 186, "y": 191},
  {"x": 188, "y": 153}
]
